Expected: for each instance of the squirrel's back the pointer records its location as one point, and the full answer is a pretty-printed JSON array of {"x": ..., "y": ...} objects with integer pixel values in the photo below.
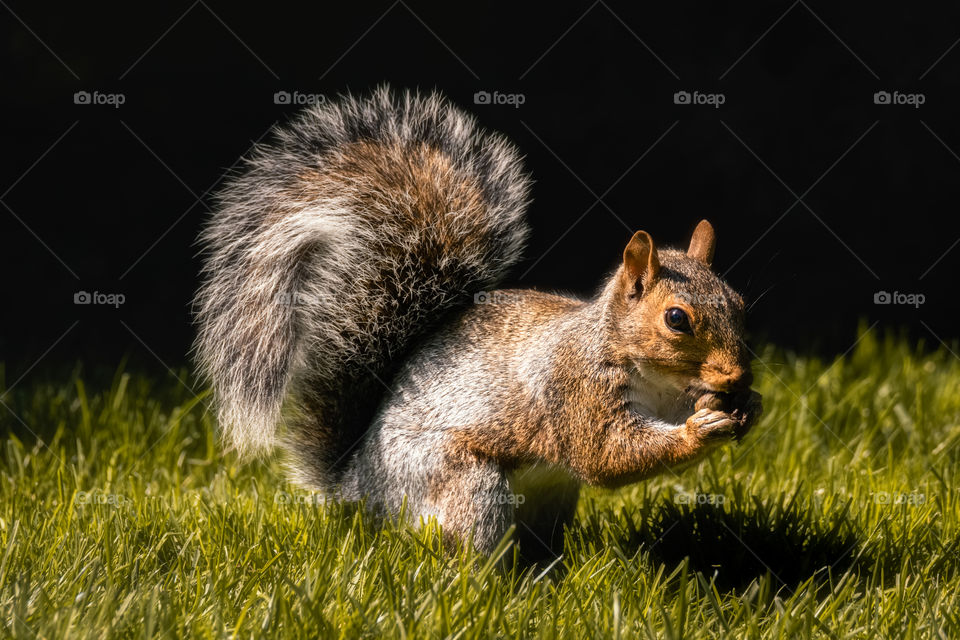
[{"x": 337, "y": 246}]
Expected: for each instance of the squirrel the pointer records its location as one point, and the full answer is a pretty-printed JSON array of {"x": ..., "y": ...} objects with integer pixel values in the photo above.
[{"x": 348, "y": 297}]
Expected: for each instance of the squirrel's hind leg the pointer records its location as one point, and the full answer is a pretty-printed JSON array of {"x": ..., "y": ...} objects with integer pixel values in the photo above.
[
  {"x": 469, "y": 496},
  {"x": 471, "y": 499}
]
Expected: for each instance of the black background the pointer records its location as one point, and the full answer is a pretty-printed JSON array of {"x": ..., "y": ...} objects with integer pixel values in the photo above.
[{"x": 110, "y": 199}]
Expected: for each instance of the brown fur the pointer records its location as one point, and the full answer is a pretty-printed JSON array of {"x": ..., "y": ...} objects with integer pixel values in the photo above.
[{"x": 585, "y": 424}]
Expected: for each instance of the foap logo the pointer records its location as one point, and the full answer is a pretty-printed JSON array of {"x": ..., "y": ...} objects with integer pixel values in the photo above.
[
  {"x": 301, "y": 299},
  {"x": 512, "y": 99},
  {"x": 713, "y": 299},
  {"x": 297, "y": 98},
  {"x": 914, "y": 498},
  {"x": 912, "y": 299},
  {"x": 314, "y": 498},
  {"x": 111, "y": 299},
  {"x": 689, "y": 497},
  {"x": 112, "y": 99},
  {"x": 909, "y": 99},
  {"x": 97, "y": 497},
  {"x": 514, "y": 499},
  {"x": 697, "y": 98},
  {"x": 495, "y": 297}
]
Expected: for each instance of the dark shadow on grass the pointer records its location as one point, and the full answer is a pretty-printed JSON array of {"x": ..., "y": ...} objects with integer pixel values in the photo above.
[
  {"x": 539, "y": 554},
  {"x": 735, "y": 546}
]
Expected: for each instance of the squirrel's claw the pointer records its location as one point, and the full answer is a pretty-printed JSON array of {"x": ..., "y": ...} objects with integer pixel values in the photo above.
[
  {"x": 710, "y": 424},
  {"x": 748, "y": 411}
]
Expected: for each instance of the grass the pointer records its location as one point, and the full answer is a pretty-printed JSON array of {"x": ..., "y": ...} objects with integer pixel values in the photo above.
[{"x": 839, "y": 516}]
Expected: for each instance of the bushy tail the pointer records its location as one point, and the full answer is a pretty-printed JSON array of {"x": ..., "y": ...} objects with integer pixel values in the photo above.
[{"x": 340, "y": 243}]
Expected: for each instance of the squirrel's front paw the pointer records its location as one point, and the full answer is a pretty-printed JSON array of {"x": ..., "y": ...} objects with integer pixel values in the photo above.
[
  {"x": 712, "y": 425},
  {"x": 745, "y": 407}
]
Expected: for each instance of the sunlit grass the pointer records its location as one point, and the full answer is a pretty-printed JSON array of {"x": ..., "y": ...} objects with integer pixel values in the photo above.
[{"x": 838, "y": 516}]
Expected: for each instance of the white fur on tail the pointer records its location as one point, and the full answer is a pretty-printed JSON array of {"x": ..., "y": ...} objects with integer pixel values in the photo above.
[{"x": 306, "y": 297}]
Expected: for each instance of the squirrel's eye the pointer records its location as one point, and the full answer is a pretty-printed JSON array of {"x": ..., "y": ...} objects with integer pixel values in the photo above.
[{"x": 677, "y": 320}]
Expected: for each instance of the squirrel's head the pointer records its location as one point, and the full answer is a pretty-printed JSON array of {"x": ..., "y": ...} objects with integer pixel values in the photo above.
[{"x": 676, "y": 320}]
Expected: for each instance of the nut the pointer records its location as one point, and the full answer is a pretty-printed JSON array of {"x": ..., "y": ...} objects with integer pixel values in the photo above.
[{"x": 716, "y": 401}]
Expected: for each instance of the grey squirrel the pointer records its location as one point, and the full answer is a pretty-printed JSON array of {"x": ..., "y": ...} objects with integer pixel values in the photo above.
[{"x": 349, "y": 295}]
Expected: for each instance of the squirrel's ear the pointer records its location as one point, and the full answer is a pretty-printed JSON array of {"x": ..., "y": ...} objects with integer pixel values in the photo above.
[
  {"x": 641, "y": 264},
  {"x": 703, "y": 243}
]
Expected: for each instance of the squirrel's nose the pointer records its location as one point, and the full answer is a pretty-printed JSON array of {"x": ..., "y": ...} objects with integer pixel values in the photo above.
[{"x": 730, "y": 379}]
